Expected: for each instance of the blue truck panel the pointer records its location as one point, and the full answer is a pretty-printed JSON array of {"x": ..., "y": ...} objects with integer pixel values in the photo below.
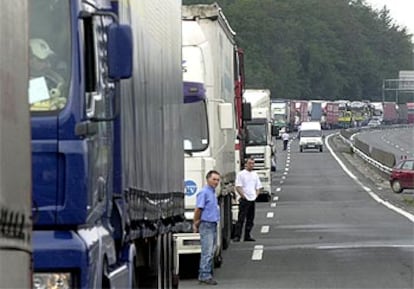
[{"x": 107, "y": 154}]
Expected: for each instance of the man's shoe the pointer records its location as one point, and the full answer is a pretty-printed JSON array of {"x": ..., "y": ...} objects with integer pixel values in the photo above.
[
  {"x": 237, "y": 239},
  {"x": 210, "y": 281},
  {"x": 249, "y": 239}
]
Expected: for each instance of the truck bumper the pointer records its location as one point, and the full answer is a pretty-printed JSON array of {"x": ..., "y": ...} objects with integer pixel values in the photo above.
[
  {"x": 185, "y": 243},
  {"x": 61, "y": 251}
]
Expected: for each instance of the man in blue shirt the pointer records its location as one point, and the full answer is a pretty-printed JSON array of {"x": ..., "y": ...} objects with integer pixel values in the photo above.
[{"x": 206, "y": 217}]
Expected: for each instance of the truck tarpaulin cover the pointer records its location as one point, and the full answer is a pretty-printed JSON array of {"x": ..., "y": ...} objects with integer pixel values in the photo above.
[{"x": 153, "y": 165}]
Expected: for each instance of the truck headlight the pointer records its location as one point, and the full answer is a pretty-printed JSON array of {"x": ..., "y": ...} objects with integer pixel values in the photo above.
[{"x": 52, "y": 280}]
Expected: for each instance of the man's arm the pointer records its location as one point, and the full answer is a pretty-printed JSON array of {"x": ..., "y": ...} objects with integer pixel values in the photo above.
[
  {"x": 197, "y": 219},
  {"x": 240, "y": 191}
]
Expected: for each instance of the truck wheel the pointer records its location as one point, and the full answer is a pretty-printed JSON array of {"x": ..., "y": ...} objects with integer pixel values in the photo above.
[
  {"x": 320, "y": 149},
  {"x": 218, "y": 260},
  {"x": 227, "y": 214},
  {"x": 105, "y": 279},
  {"x": 396, "y": 187},
  {"x": 301, "y": 149}
]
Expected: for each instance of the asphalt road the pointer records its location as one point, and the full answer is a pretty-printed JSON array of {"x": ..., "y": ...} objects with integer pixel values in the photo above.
[
  {"x": 399, "y": 141},
  {"x": 321, "y": 230}
]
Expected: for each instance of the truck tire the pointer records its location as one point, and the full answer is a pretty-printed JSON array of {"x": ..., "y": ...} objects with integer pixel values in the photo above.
[
  {"x": 227, "y": 218},
  {"x": 218, "y": 261},
  {"x": 301, "y": 149},
  {"x": 320, "y": 149}
]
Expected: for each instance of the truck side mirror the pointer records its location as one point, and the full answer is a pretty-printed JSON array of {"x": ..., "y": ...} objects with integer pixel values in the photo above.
[
  {"x": 275, "y": 130},
  {"x": 246, "y": 111},
  {"x": 119, "y": 51}
]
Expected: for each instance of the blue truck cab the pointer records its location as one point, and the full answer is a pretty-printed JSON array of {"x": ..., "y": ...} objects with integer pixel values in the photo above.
[{"x": 78, "y": 54}]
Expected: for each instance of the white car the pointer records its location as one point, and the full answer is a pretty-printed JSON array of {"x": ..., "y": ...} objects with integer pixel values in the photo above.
[{"x": 374, "y": 123}]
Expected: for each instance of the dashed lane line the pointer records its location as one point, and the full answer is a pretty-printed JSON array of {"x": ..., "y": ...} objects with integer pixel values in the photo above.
[
  {"x": 265, "y": 229},
  {"x": 257, "y": 253}
]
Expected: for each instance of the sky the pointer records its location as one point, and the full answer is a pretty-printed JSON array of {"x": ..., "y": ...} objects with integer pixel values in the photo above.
[{"x": 401, "y": 10}]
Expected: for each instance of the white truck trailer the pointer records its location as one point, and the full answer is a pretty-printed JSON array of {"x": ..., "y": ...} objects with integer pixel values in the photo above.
[
  {"x": 15, "y": 166},
  {"x": 259, "y": 135},
  {"x": 208, "y": 119}
]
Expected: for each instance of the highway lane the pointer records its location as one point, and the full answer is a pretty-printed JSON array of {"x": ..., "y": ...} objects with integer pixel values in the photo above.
[
  {"x": 321, "y": 230},
  {"x": 399, "y": 141}
]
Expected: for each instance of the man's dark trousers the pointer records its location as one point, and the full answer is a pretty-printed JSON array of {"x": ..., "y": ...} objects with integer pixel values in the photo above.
[{"x": 246, "y": 212}]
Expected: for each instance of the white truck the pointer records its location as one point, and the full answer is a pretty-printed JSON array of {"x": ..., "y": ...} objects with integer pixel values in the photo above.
[
  {"x": 209, "y": 123},
  {"x": 280, "y": 115},
  {"x": 259, "y": 136},
  {"x": 15, "y": 164}
]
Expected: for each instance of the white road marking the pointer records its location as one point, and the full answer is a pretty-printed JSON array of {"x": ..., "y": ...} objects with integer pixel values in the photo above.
[
  {"x": 273, "y": 205},
  {"x": 285, "y": 173},
  {"x": 283, "y": 177},
  {"x": 278, "y": 189},
  {"x": 281, "y": 182},
  {"x": 257, "y": 253},
  {"x": 270, "y": 215},
  {"x": 265, "y": 229},
  {"x": 276, "y": 198},
  {"x": 286, "y": 169},
  {"x": 372, "y": 194}
]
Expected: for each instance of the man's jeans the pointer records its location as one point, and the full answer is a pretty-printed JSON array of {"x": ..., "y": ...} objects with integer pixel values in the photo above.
[{"x": 208, "y": 235}]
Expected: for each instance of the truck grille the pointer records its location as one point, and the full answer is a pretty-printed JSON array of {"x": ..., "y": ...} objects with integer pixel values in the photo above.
[{"x": 259, "y": 161}]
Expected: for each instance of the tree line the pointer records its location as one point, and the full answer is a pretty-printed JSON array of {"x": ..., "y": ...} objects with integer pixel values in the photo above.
[{"x": 318, "y": 49}]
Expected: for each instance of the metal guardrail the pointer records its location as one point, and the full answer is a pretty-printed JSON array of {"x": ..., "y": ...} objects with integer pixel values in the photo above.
[{"x": 362, "y": 155}]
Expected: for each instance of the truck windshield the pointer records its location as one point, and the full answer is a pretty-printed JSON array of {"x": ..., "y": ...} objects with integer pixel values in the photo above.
[
  {"x": 310, "y": 133},
  {"x": 195, "y": 126},
  {"x": 49, "y": 55},
  {"x": 256, "y": 134}
]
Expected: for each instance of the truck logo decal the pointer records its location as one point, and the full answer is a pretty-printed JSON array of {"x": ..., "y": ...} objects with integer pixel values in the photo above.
[{"x": 190, "y": 188}]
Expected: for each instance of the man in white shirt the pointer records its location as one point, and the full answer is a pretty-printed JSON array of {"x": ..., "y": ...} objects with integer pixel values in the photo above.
[
  {"x": 248, "y": 186},
  {"x": 285, "y": 138}
]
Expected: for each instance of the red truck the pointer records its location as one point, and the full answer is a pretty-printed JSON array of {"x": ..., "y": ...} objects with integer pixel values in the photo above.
[
  {"x": 298, "y": 113},
  {"x": 390, "y": 113},
  {"x": 332, "y": 114},
  {"x": 410, "y": 112}
]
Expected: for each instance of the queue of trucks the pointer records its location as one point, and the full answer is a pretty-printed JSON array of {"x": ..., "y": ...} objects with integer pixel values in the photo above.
[
  {"x": 129, "y": 102},
  {"x": 340, "y": 114}
]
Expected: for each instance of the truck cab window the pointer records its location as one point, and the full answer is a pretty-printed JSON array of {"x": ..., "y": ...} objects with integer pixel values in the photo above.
[{"x": 50, "y": 56}]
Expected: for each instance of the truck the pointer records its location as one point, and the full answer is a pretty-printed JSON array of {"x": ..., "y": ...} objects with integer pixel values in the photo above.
[
  {"x": 243, "y": 108},
  {"x": 377, "y": 111},
  {"x": 15, "y": 174},
  {"x": 316, "y": 111},
  {"x": 360, "y": 112},
  {"x": 410, "y": 112},
  {"x": 402, "y": 111},
  {"x": 280, "y": 114},
  {"x": 107, "y": 144},
  {"x": 390, "y": 115},
  {"x": 298, "y": 113},
  {"x": 208, "y": 49},
  {"x": 259, "y": 136},
  {"x": 332, "y": 114},
  {"x": 345, "y": 114}
]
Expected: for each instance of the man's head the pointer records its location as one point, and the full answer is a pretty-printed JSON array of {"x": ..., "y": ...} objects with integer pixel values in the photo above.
[
  {"x": 213, "y": 178},
  {"x": 249, "y": 164}
]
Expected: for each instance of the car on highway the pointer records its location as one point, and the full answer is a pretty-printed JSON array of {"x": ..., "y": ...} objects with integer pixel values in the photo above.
[
  {"x": 374, "y": 123},
  {"x": 402, "y": 176}
]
